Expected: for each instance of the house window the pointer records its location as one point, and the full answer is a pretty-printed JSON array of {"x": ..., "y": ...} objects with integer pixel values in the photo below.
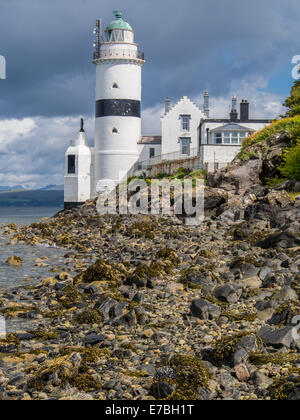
[
  {"x": 185, "y": 146},
  {"x": 185, "y": 122},
  {"x": 71, "y": 164},
  {"x": 152, "y": 152},
  {"x": 218, "y": 138},
  {"x": 229, "y": 137},
  {"x": 242, "y": 136},
  {"x": 235, "y": 138}
]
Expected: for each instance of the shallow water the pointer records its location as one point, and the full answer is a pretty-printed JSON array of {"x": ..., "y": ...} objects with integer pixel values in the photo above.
[
  {"x": 28, "y": 274},
  {"x": 25, "y": 215}
]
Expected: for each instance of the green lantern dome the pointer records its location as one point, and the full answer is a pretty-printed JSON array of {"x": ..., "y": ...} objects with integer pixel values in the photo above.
[{"x": 118, "y": 23}]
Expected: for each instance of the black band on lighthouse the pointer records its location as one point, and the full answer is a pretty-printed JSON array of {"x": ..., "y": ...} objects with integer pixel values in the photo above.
[{"x": 118, "y": 108}]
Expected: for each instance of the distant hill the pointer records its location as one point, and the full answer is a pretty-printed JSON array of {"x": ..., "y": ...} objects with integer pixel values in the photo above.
[
  {"x": 52, "y": 188},
  {"x": 38, "y": 198},
  {"x": 14, "y": 188}
]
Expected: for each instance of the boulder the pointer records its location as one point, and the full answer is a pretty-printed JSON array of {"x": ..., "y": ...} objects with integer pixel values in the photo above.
[
  {"x": 230, "y": 292},
  {"x": 279, "y": 240},
  {"x": 204, "y": 310},
  {"x": 282, "y": 337}
]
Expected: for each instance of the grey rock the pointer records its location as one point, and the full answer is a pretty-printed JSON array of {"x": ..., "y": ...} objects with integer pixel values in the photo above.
[
  {"x": 277, "y": 338},
  {"x": 286, "y": 293},
  {"x": 205, "y": 310},
  {"x": 25, "y": 336},
  {"x": 165, "y": 389},
  {"x": 260, "y": 380},
  {"x": 229, "y": 292},
  {"x": 247, "y": 345},
  {"x": 93, "y": 339}
]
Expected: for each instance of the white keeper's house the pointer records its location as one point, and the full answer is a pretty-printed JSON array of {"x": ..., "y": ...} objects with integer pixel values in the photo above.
[{"x": 120, "y": 149}]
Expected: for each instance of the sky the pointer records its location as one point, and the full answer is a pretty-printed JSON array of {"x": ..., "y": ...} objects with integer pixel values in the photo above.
[{"x": 226, "y": 47}]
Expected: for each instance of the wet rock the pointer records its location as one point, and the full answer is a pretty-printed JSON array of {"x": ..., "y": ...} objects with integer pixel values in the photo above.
[{"x": 14, "y": 261}]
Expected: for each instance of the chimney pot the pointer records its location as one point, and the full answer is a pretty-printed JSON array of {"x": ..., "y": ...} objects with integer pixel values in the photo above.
[
  {"x": 167, "y": 104},
  {"x": 244, "y": 110}
]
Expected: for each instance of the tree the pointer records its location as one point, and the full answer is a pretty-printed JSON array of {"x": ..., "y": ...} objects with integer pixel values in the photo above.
[{"x": 293, "y": 101}]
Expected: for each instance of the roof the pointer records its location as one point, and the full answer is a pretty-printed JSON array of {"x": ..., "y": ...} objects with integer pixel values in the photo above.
[
  {"x": 231, "y": 127},
  {"x": 118, "y": 23},
  {"x": 184, "y": 98},
  {"x": 150, "y": 140},
  {"x": 227, "y": 120}
]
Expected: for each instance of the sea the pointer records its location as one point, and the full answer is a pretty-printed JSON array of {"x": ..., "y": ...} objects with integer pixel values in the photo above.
[
  {"x": 29, "y": 273},
  {"x": 25, "y": 215}
]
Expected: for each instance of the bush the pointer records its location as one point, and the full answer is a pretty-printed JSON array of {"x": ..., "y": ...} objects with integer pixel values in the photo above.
[
  {"x": 293, "y": 101},
  {"x": 273, "y": 182},
  {"x": 292, "y": 125},
  {"x": 291, "y": 165}
]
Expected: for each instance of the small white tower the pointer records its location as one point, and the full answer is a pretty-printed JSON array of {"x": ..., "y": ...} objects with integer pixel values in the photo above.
[
  {"x": 78, "y": 171},
  {"x": 118, "y": 100}
]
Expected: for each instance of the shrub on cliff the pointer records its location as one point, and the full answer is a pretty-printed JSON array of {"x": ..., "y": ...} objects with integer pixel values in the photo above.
[
  {"x": 291, "y": 125},
  {"x": 291, "y": 162},
  {"x": 293, "y": 101}
]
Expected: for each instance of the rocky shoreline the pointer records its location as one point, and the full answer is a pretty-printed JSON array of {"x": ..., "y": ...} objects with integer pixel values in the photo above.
[{"x": 148, "y": 308}]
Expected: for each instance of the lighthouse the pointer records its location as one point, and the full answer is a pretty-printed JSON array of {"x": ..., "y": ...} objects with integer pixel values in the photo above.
[{"x": 119, "y": 65}]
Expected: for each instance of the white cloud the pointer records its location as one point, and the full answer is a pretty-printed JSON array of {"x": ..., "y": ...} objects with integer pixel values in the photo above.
[
  {"x": 32, "y": 150},
  {"x": 151, "y": 120},
  {"x": 13, "y": 130},
  {"x": 263, "y": 104}
]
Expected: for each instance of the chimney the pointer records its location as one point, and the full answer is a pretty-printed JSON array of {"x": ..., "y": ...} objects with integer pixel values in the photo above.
[
  {"x": 244, "y": 110},
  {"x": 167, "y": 105},
  {"x": 206, "y": 104},
  {"x": 234, "y": 113}
]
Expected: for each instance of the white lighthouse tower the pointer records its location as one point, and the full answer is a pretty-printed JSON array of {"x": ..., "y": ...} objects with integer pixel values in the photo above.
[
  {"x": 118, "y": 100},
  {"x": 78, "y": 171}
]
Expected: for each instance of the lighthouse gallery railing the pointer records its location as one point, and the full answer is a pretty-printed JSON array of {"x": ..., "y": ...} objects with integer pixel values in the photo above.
[{"x": 139, "y": 55}]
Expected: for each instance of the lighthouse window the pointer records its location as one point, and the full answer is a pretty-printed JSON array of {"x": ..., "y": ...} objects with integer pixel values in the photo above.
[
  {"x": 115, "y": 86},
  {"x": 115, "y": 36},
  {"x": 115, "y": 130},
  {"x": 71, "y": 164}
]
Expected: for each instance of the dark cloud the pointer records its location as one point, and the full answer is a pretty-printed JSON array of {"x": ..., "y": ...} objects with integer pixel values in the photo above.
[
  {"x": 189, "y": 46},
  {"x": 230, "y": 46}
]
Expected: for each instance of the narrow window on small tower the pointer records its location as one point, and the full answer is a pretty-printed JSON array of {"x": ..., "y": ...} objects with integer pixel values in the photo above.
[
  {"x": 152, "y": 152},
  {"x": 71, "y": 164},
  {"x": 115, "y": 130},
  {"x": 115, "y": 86}
]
